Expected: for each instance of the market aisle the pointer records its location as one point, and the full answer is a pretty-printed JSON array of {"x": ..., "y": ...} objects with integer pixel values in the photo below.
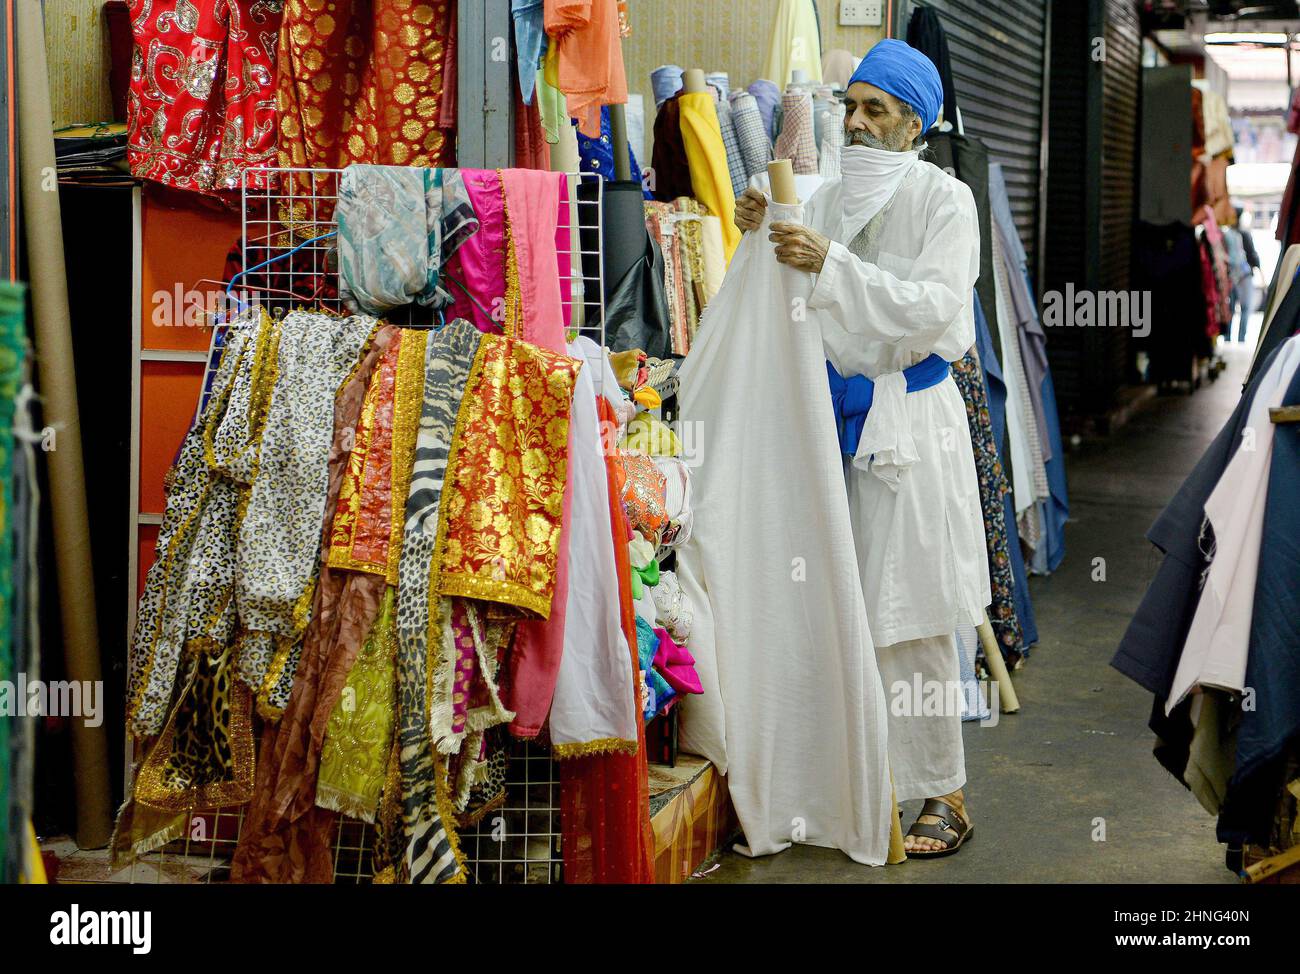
[{"x": 1079, "y": 751}]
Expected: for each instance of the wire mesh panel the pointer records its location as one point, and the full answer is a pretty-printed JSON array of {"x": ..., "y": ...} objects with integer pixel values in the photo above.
[{"x": 290, "y": 260}]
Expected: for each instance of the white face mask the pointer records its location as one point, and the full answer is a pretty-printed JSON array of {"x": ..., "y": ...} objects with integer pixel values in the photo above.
[{"x": 870, "y": 177}]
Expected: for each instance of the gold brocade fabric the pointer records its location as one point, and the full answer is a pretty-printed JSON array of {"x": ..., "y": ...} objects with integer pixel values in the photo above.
[
  {"x": 359, "y": 736},
  {"x": 503, "y": 500},
  {"x": 367, "y": 530},
  {"x": 360, "y": 81}
]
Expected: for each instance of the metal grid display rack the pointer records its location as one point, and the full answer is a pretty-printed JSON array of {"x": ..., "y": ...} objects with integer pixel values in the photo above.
[{"x": 520, "y": 841}]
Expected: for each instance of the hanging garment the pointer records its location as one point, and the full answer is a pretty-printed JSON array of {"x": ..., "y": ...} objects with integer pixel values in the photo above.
[
  {"x": 505, "y": 496},
  {"x": 397, "y": 225},
  {"x": 969, "y": 377},
  {"x": 925, "y": 33},
  {"x": 903, "y": 293},
  {"x": 605, "y": 797},
  {"x": 359, "y": 734},
  {"x": 1214, "y": 653},
  {"x": 276, "y": 556},
  {"x": 201, "y": 110},
  {"x": 796, "y": 141},
  {"x": 589, "y": 57},
  {"x": 1023, "y": 444},
  {"x": 1269, "y": 731},
  {"x": 359, "y": 82},
  {"x": 285, "y": 837},
  {"x": 532, "y": 208},
  {"x": 793, "y": 712},
  {"x": 476, "y": 272},
  {"x": 429, "y": 849},
  {"x": 594, "y": 709},
  {"x": 795, "y": 42},
  {"x": 751, "y": 133},
  {"x": 162, "y": 614},
  {"x": 1149, "y": 652},
  {"x": 530, "y": 43}
]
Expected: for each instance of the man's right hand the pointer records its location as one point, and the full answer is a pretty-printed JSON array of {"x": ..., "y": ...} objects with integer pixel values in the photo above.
[{"x": 750, "y": 207}]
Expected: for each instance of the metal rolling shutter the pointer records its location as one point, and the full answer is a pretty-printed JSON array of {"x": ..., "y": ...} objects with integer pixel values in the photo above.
[{"x": 998, "y": 50}]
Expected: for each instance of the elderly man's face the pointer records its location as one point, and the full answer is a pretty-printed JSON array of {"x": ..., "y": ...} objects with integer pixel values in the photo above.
[{"x": 872, "y": 117}]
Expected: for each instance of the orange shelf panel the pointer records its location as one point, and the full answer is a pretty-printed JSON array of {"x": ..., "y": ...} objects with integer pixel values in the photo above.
[
  {"x": 169, "y": 394},
  {"x": 182, "y": 241}
]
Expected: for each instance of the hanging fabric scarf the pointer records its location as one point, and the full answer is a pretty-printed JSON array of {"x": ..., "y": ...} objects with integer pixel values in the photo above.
[
  {"x": 429, "y": 852},
  {"x": 397, "y": 227},
  {"x": 279, "y": 540},
  {"x": 359, "y": 735}
]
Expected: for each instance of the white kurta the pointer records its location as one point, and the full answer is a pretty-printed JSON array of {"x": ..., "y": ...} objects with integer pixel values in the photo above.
[
  {"x": 920, "y": 542},
  {"x": 793, "y": 709}
]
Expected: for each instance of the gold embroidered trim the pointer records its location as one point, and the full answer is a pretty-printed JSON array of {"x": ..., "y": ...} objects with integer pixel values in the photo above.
[
  {"x": 605, "y": 745},
  {"x": 409, "y": 402},
  {"x": 494, "y": 590},
  {"x": 149, "y": 788},
  {"x": 513, "y": 325},
  {"x": 279, "y": 659}
]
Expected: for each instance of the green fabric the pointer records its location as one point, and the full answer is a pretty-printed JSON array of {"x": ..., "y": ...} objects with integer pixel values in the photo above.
[{"x": 12, "y": 342}]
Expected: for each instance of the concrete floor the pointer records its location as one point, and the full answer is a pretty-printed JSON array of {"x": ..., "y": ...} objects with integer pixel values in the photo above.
[{"x": 1079, "y": 750}]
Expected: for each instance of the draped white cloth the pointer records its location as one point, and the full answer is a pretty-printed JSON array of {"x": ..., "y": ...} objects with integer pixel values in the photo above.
[
  {"x": 793, "y": 710},
  {"x": 595, "y": 693}
]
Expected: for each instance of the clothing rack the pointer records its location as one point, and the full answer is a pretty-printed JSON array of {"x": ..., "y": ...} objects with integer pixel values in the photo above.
[{"x": 518, "y": 842}]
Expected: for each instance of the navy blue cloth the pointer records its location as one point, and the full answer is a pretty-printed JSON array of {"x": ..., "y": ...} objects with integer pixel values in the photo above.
[
  {"x": 852, "y": 397},
  {"x": 1266, "y": 734},
  {"x": 907, "y": 74},
  {"x": 1153, "y": 643}
]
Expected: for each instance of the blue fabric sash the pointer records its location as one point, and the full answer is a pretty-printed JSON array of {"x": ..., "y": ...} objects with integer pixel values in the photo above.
[{"x": 852, "y": 397}]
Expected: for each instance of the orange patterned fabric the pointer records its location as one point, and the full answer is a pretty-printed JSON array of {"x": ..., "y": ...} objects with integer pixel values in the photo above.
[
  {"x": 367, "y": 531},
  {"x": 362, "y": 81},
  {"x": 503, "y": 500},
  {"x": 362, "y": 520}
]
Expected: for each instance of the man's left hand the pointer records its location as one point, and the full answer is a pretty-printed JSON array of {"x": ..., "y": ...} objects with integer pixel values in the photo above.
[{"x": 799, "y": 247}]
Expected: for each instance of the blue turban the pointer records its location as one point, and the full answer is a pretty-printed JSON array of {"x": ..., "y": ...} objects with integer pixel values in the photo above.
[{"x": 903, "y": 71}]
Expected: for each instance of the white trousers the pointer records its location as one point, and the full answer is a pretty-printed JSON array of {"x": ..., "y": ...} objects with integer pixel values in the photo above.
[{"x": 923, "y": 695}]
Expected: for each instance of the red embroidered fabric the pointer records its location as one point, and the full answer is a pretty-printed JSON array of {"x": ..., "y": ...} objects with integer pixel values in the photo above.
[{"x": 201, "y": 107}]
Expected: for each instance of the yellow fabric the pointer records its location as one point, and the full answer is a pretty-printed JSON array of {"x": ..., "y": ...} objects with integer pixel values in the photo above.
[
  {"x": 715, "y": 264},
  {"x": 706, "y": 157},
  {"x": 648, "y": 397},
  {"x": 795, "y": 43},
  {"x": 625, "y": 365},
  {"x": 646, "y": 434}
]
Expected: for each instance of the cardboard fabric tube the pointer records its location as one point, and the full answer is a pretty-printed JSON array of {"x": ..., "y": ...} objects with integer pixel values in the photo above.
[
  {"x": 1007, "y": 698},
  {"x": 693, "y": 80},
  {"x": 780, "y": 175},
  {"x": 58, "y": 389}
]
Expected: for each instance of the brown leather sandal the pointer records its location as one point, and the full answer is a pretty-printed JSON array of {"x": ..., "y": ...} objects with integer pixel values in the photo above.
[{"x": 950, "y": 829}]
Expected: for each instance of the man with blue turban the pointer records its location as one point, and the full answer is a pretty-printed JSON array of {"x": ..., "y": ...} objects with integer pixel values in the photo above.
[{"x": 891, "y": 248}]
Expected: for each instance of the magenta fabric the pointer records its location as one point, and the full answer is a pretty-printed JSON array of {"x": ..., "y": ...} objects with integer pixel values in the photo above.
[
  {"x": 676, "y": 665},
  {"x": 533, "y": 200},
  {"x": 480, "y": 262}
]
